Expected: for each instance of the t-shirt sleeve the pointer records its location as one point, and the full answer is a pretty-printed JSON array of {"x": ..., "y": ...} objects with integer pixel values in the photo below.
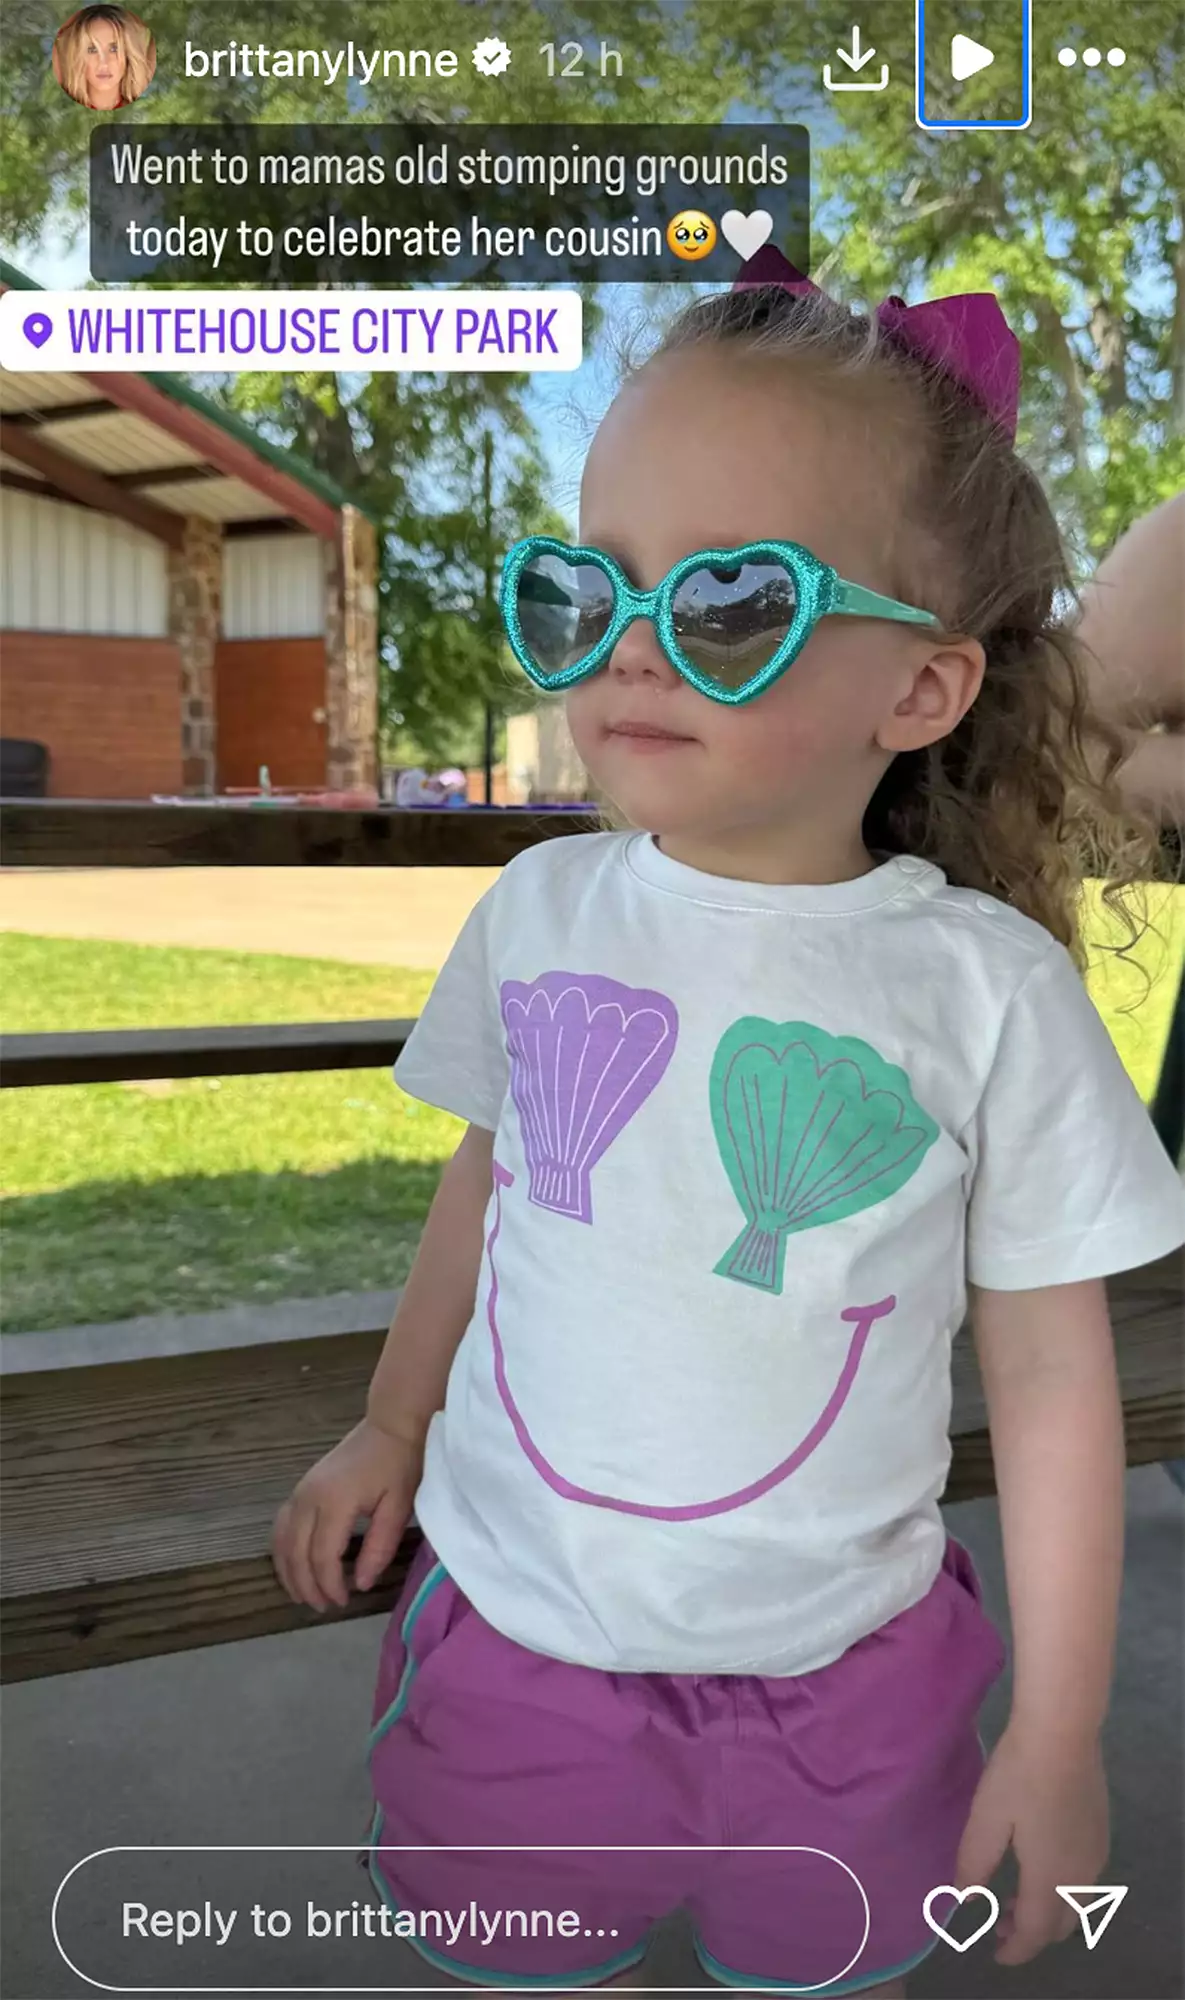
[
  {"x": 455, "y": 1056},
  {"x": 1071, "y": 1180}
]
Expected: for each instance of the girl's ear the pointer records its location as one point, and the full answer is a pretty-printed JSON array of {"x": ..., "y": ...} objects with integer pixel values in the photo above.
[{"x": 942, "y": 690}]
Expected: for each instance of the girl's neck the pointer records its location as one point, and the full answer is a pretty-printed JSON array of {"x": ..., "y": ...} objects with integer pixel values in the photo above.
[{"x": 760, "y": 854}]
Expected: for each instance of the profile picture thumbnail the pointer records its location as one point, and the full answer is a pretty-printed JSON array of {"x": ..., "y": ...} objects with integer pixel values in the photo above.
[{"x": 104, "y": 57}]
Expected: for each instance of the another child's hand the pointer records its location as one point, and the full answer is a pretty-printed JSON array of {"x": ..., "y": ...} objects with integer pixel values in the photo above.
[
  {"x": 370, "y": 1472},
  {"x": 1049, "y": 1804}
]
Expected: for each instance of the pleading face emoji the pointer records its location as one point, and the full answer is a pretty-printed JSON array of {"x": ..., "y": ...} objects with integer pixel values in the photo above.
[{"x": 691, "y": 235}]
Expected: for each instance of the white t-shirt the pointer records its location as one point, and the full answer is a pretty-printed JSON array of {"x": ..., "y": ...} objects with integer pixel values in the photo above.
[{"x": 752, "y": 1143}]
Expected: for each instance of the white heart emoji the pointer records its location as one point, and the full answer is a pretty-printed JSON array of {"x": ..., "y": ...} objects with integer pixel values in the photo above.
[
  {"x": 746, "y": 233},
  {"x": 960, "y": 1896}
]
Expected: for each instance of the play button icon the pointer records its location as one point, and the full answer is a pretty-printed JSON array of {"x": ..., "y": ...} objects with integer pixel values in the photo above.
[
  {"x": 968, "y": 57},
  {"x": 1003, "y": 100}
]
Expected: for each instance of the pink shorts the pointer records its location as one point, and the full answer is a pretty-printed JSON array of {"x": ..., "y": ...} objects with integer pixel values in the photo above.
[{"x": 801, "y": 1820}]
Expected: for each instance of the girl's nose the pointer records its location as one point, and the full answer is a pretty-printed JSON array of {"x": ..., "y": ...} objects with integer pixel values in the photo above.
[{"x": 638, "y": 656}]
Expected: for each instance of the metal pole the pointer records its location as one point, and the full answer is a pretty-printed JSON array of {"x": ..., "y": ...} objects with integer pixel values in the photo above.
[{"x": 489, "y": 607}]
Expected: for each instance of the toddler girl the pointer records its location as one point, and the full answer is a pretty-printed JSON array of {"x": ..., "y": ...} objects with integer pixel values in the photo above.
[{"x": 759, "y": 1096}]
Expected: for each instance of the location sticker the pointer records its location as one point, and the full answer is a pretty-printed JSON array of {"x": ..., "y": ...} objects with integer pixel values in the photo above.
[
  {"x": 37, "y": 329},
  {"x": 159, "y": 330}
]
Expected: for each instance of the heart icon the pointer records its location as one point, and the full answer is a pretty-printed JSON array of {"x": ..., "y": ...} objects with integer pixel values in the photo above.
[
  {"x": 746, "y": 233},
  {"x": 960, "y": 1896}
]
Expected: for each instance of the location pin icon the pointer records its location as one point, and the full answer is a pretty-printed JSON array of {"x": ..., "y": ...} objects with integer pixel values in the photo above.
[{"x": 38, "y": 328}]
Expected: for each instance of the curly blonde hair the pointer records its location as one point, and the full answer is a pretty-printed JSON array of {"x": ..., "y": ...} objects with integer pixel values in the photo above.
[
  {"x": 135, "y": 45},
  {"x": 1020, "y": 798}
]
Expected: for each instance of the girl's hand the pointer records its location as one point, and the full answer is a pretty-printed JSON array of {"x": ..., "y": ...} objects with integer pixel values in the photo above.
[
  {"x": 1048, "y": 1802},
  {"x": 372, "y": 1471}
]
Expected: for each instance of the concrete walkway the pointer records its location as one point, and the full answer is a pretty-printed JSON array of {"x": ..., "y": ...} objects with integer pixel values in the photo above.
[
  {"x": 364, "y": 916},
  {"x": 261, "y": 1744}
]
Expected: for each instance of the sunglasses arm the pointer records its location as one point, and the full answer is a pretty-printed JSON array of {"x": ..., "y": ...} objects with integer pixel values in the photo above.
[{"x": 853, "y": 601}]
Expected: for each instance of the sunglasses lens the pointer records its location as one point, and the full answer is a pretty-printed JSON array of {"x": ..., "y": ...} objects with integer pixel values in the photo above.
[
  {"x": 731, "y": 622},
  {"x": 564, "y": 610}
]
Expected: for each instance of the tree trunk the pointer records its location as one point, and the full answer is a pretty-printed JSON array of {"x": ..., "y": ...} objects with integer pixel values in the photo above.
[
  {"x": 1177, "y": 355},
  {"x": 1065, "y": 362},
  {"x": 327, "y": 439},
  {"x": 1110, "y": 339}
]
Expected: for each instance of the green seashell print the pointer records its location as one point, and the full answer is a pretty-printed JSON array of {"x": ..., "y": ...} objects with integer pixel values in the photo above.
[{"x": 811, "y": 1128}]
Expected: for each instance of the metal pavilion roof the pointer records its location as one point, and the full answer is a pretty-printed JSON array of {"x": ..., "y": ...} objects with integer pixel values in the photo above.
[{"x": 153, "y": 449}]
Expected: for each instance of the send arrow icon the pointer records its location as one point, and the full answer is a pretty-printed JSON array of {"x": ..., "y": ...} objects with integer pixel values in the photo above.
[{"x": 1093, "y": 1905}]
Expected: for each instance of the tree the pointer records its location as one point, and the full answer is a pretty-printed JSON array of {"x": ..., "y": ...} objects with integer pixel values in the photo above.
[
  {"x": 409, "y": 446},
  {"x": 1075, "y": 223}
]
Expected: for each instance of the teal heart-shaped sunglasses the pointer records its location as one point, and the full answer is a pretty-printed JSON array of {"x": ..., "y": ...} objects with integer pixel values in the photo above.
[{"x": 730, "y": 621}]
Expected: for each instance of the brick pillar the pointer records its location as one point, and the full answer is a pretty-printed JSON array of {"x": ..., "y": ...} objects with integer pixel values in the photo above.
[
  {"x": 195, "y": 621},
  {"x": 351, "y": 654}
]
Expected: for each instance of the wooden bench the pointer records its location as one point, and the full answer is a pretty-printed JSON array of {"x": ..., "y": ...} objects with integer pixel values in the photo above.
[
  {"x": 118, "y": 1055},
  {"x": 141, "y": 1464},
  {"x": 59, "y": 833},
  {"x": 139, "y": 1486}
]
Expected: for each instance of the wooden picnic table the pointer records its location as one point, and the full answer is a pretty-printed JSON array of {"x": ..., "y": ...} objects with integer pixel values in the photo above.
[
  {"x": 119, "y": 1055},
  {"x": 141, "y": 1465},
  {"x": 139, "y": 1487},
  {"x": 80, "y": 833}
]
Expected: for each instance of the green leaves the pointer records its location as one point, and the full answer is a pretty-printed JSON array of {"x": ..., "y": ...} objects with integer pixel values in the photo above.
[
  {"x": 1072, "y": 223},
  {"x": 1076, "y": 224}
]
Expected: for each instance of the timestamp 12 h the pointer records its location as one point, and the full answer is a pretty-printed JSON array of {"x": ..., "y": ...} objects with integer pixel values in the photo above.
[{"x": 569, "y": 59}]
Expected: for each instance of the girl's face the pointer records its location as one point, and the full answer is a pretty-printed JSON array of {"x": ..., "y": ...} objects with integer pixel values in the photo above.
[
  {"x": 708, "y": 450},
  {"x": 105, "y": 63}
]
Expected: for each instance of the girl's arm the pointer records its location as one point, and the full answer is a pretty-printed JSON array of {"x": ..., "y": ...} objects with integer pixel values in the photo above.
[
  {"x": 375, "y": 1470},
  {"x": 1048, "y": 1366},
  {"x": 1048, "y": 1363},
  {"x": 436, "y": 1303}
]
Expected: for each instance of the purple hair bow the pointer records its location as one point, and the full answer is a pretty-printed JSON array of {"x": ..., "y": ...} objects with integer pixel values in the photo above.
[{"x": 967, "y": 336}]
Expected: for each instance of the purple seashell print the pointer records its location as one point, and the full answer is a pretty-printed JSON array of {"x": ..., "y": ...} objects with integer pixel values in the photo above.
[{"x": 585, "y": 1054}]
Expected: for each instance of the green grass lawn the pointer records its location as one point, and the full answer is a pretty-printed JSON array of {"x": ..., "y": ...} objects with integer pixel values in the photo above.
[{"x": 188, "y": 1195}]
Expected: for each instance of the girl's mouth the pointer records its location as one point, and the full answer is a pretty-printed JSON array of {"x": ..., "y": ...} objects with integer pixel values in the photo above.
[{"x": 647, "y": 736}]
